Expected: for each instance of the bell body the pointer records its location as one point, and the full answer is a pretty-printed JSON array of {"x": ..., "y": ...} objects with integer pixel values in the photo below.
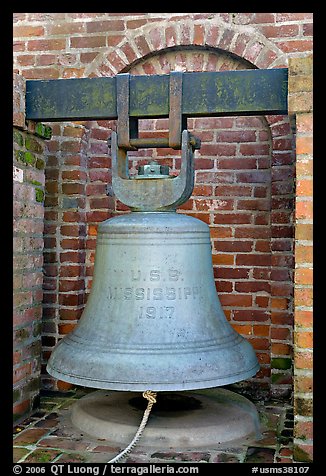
[{"x": 153, "y": 319}]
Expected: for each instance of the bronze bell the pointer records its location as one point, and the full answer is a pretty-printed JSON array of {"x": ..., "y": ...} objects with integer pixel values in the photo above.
[{"x": 153, "y": 319}]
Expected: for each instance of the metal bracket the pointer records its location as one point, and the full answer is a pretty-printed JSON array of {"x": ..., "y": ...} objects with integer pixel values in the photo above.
[
  {"x": 152, "y": 194},
  {"x": 127, "y": 127}
]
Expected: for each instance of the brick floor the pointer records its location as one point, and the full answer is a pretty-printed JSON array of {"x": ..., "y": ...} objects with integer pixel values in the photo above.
[{"x": 47, "y": 436}]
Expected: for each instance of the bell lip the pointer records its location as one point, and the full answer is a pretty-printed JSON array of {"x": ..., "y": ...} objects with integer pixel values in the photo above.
[{"x": 142, "y": 386}]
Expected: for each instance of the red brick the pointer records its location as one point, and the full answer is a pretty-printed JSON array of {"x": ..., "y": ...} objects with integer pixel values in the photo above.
[
  {"x": 213, "y": 123},
  {"x": 232, "y": 273},
  {"x": 238, "y": 218},
  {"x": 242, "y": 329},
  {"x": 99, "y": 175},
  {"x": 70, "y": 230},
  {"x": 66, "y": 328},
  {"x": 71, "y": 257},
  {"x": 73, "y": 175},
  {"x": 73, "y": 188},
  {"x": 304, "y": 167},
  {"x": 200, "y": 216},
  {"x": 252, "y": 287},
  {"x": 72, "y": 146},
  {"x": 104, "y": 26},
  {"x": 280, "y": 31},
  {"x": 226, "y": 39},
  {"x": 72, "y": 216},
  {"x": 233, "y": 190},
  {"x": 308, "y": 29},
  {"x": 257, "y": 232},
  {"x": 218, "y": 149},
  {"x": 70, "y": 314},
  {"x": 97, "y": 216},
  {"x": 22, "y": 372},
  {"x": 303, "y": 384},
  {"x": 304, "y": 339},
  {"x": 263, "y": 358},
  {"x": 282, "y": 318},
  {"x": 263, "y": 18},
  {"x": 184, "y": 30},
  {"x": 304, "y": 122},
  {"x": 46, "y": 45},
  {"x": 251, "y": 315},
  {"x": 26, "y": 31},
  {"x": 281, "y": 349},
  {"x": 237, "y": 164},
  {"x": 303, "y": 254},
  {"x": 72, "y": 131},
  {"x": 64, "y": 387},
  {"x": 212, "y": 35},
  {"x": 221, "y": 232},
  {"x": 292, "y": 17},
  {"x": 303, "y": 430},
  {"x": 142, "y": 45},
  {"x": 41, "y": 73},
  {"x": 89, "y": 56},
  {"x": 279, "y": 303},
  {"x": 263, "y": 246},
  {"x": 203, "y": 190},
  {"x": 226, "y": 245},
  {"x": 254, "y": 176},
  {"x": 26, "y": 60},
  {"x": 280, "y": 333},
  {"x": 303, "y": 360},
  {"x": 65, "y": 28},
  {"x": 30, "y": 436},
  {"x": 223, "y": 259},
  {"x": 70, "y": 299},
  {"x": 303, "y": 276},
  {"x": 23, "y": 298},
  {"x": 87, "y": 41},
  {"x": 259, "y": 343},
  {"x": 253, "y": 260},
  {"x": 198, "y": 34},
  {"x": 262, "y": 301},
  {"x": 254, "y": 149},
  {"x": 292, "y": 46},
  {"x": 237, "y": 300},
  {"x": 253, "y": 204},
  {"x": 170, "y": 36},
  {"x": 262, "y": 331},
  {"x": 303, "y": 319},
  {"x": 223, "y": 286}
]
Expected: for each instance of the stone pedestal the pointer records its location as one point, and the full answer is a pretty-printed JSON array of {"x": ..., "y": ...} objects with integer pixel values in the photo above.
[{"x": 192, "y": 419}]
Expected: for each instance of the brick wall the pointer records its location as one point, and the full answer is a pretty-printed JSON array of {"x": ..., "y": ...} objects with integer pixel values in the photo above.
[
  {"x": 28, "y": 215},
  {"x": 300, "y": 105},
  {"x": 245, "y": 173}
]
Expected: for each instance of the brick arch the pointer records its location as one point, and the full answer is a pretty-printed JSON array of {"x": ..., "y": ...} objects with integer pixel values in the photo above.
[{"x": 242, "y": 41}]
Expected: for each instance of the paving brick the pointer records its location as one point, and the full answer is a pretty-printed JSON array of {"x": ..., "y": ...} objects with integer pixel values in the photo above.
[
  {"x": 73, "y": 458},
  {"x": 19, "y": 453},
  {"x": 64, "y": 443},
  {"x": 30, "y": 436},
  {"x": 41, "y": 456},
  {"x": 226, "y": 458},
  {"x": 260, "y": 455}
]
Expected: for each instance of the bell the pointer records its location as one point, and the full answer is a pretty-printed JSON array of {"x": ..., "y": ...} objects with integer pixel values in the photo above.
[{"x": 153, "y": 319}]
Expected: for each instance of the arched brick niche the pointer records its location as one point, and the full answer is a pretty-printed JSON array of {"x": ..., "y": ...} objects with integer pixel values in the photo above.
[{"x": 243, "y": 189}]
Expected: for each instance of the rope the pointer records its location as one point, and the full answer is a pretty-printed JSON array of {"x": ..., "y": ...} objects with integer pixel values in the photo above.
[{"x": 151, "y": 397}]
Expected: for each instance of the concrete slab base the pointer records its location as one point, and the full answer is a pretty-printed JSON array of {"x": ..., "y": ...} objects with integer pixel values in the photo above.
[{"x": 192, "y": 419}]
